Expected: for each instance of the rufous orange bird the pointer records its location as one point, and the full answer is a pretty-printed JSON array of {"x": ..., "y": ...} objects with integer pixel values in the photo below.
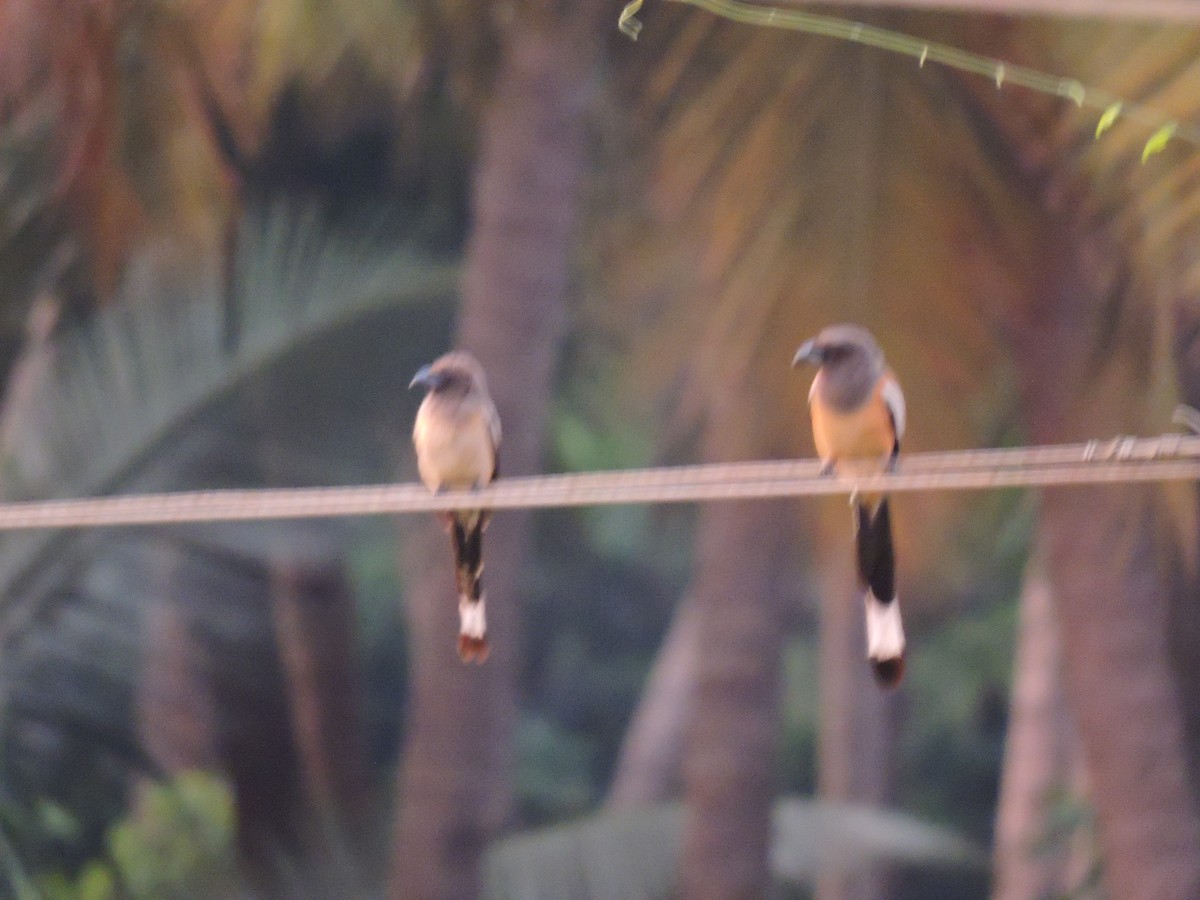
[
  {"x": 457, "y": 439},
  {"x": 857, "y": 412}
]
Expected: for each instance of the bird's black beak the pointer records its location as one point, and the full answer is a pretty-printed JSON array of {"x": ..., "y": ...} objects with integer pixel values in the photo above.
[
  {"x": 424, "y": 377},
  {"x": 809, "y": 352}
]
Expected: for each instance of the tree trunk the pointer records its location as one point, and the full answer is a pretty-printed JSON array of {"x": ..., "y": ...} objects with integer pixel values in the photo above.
[
  {"x": 1184, "y": 612},
  {"x": 454, "y": 781},
  {"x": 857, "y": 718},
  {"x": 450, "y": 782},
  {"x": 1104, "y": 556},
  {"x": 1103, "y": 566},
  {"x": 1039, "y": 754},
  {"x": 176, "y": 712},
  {"x": 229, "y": 670},
  {"x": 648, "y": 766},
  {"x": 313, "y": 612},
  {"x": 729, "y": 764}
]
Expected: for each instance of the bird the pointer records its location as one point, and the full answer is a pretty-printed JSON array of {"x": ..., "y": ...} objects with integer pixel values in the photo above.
[
  {"x": 858, "y": 418},
  {"x": 456, "y": 435}
]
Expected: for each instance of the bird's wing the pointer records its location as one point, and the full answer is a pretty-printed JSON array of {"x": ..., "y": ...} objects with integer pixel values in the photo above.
[
  {"x": 893, "y": 399},
  {"x": 493, "y": 422}
]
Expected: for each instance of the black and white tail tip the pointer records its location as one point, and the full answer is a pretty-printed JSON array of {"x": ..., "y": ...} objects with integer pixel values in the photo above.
[
  {"x": 472, "y": 630},
  {"x": 885, "y": 640},
  {"x": 877, "y": 572},
  {"x": 466, "y": 537}
]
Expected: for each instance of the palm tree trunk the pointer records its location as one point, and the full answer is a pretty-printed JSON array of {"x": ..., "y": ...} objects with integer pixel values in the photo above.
[
  {"x": 451, "y": 786},
  {"x": 1039, "y": 755},
  {"x": 249, "y": 693},
  {"x": 176, "y": 710},
  {"x": 1104, "y": 568},
  {"x": 729, "y": 766},
  {"x": 857, "y": 719},
  {"x": 650, "y": 759},
  {"x": 313, "y": 613},
  {"x": 454, "y": 781},
  {"x": 1184, "y": 613},
  {"x": 1103, "y": 550}
]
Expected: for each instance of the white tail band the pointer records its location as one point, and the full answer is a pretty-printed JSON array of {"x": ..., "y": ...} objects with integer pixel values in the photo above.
[
  {"x": 885, "y": 632},
  {"x": 472, "y": 622}
]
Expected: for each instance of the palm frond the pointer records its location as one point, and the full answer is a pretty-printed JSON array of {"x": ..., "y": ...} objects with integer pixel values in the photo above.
[
  {"x": 182, "y": 384},
  {"x": 131, "y": 384}
]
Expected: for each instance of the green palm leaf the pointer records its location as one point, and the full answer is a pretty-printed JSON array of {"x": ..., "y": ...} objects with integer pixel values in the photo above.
[
  {"x": 131, "y": 385},
  {"x": 174, "y": 387}
]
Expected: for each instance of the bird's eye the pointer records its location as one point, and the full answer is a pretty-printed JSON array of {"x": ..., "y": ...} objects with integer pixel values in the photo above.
[{"x": 450, "y": 381}]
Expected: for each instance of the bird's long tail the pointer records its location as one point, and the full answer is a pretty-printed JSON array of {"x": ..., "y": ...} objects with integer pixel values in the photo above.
[
  {"x": 877, "y": 571},
  {"x": 466, "y": 536}
]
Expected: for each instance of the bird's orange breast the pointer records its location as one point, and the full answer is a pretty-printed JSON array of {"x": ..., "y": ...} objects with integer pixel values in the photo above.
[
  {"x": 453, "y": 452},
  {"x": 859, "y": 440}
]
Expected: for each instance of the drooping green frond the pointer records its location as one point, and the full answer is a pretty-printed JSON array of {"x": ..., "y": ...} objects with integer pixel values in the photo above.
[
  {"x": 172, "y": 388},
  {"x": 998, "y": 71},
  {"x": 131, "y": 383}
]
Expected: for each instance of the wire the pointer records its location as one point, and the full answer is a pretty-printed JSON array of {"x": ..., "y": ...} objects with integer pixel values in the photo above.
[{"x": 1170, "y": 457}]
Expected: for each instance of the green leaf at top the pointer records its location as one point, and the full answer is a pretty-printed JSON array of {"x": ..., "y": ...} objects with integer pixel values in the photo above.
[
  {"x": 1158, "y": 140},
  {"x": 1107, "y": 119}
]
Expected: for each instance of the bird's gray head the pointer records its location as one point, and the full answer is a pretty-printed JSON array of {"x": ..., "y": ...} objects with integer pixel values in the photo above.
[
  {"x": 851, "y": 360},
  {"x": 841, "y": 345},
  {"x": 455, "y": 374}
]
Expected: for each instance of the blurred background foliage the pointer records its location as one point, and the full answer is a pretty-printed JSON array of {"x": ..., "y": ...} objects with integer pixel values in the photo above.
[{"x": 229, "y": 233}]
